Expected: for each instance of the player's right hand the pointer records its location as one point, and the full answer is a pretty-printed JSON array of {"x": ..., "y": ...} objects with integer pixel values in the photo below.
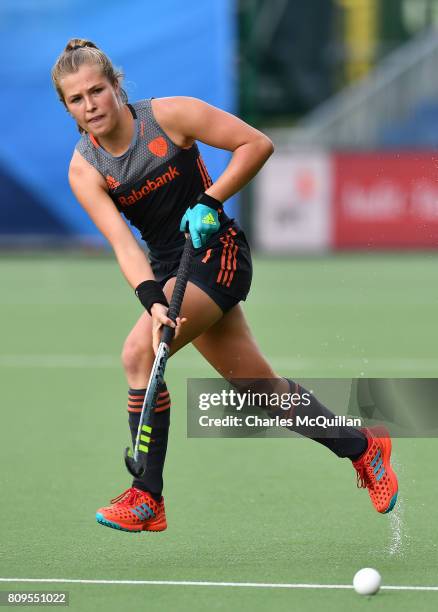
[{"x": 160, "y": 318}]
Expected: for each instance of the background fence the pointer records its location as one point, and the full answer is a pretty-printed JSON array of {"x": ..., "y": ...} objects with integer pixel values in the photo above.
[{"x": 321, "y": 78}]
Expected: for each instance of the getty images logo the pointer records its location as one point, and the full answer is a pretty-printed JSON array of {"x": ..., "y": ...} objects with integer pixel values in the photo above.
[{"x": 149, "y": 186}]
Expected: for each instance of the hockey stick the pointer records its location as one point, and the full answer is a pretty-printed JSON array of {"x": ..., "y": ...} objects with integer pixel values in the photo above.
[{"x": 137, "y": 462}]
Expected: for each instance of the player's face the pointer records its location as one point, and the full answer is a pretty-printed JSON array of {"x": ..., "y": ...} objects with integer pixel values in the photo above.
[{"x": 91, "y": 100}]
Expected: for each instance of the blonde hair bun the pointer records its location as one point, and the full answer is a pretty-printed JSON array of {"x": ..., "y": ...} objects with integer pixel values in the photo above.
[{"x": 79, "y": 43}]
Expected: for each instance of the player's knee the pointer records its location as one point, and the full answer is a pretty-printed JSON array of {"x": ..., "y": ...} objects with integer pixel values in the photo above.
[{"x": 136, "y": 355}]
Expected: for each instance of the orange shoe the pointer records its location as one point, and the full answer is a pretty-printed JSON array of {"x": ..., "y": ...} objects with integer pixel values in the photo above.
[
  {"x": 374, "y": 470},
  {"x": 134, "y": 510}
]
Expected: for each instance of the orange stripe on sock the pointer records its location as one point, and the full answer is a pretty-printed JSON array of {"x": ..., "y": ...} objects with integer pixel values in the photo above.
[
  {"x": 139, "y": 399},
  {"x": 207, "y": 256},
  {"x": 162, "y": 408},
  {"x": 136, "y": 395}
]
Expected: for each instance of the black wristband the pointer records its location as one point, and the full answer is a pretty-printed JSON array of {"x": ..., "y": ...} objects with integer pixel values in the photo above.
[
  {"x": 204, "y": 198},
  {"x": 149, "y": 292}
]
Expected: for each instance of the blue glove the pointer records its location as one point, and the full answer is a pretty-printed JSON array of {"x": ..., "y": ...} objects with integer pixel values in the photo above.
[{"x": 203, "y": 222}]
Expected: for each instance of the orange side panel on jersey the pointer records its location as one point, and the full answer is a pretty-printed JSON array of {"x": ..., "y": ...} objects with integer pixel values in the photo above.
[
  {"x": 204, "y": 178},
  {"x": 209, "y": 181}
]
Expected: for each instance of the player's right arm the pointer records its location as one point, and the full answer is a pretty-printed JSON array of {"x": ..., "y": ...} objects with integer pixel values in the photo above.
[{"x": 90, "y": 189}]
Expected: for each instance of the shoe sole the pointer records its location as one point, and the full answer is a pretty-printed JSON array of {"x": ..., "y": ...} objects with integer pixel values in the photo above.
[
  {"x": 385, "y": 441},
  {"x": 158, "y": 526}
]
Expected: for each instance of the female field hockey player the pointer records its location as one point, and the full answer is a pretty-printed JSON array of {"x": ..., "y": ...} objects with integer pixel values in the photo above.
[{"x": 141, "y": 161}]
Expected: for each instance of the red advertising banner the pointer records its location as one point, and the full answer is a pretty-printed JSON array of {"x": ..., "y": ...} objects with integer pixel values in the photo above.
[{"x": 385, "y": 200}]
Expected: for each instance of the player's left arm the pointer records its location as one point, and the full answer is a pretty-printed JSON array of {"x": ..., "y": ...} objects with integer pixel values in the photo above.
[{"x": 189, "y": 119}]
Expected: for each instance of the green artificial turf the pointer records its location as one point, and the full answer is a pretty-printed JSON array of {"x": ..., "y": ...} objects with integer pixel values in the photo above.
[{"x": 281, "y": 511}]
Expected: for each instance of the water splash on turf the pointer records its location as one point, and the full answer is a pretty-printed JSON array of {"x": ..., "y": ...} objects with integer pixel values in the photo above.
[
  {"x": 399, "y": 538},
  {"x": 397, "y": 530}
]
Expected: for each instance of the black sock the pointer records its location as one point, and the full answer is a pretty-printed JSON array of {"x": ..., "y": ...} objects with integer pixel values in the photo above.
[
  {"x": 152, "y": 479},
  {"x": 342, "y": 440}
]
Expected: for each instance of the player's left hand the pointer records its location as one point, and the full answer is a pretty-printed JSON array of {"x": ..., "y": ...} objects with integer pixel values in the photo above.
[
  {"x": 203, "y": 222},
  {"x": 160, "y": 318}
]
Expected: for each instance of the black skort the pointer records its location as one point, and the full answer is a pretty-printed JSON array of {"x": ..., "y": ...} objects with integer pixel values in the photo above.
[{"x": 222, "y": 268}]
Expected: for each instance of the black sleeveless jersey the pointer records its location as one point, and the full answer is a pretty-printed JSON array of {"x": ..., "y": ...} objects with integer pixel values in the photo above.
[{"x": 154, "y": 182}]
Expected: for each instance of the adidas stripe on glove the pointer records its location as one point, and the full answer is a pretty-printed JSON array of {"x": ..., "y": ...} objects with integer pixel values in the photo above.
[{"x": 202, "y": 218}]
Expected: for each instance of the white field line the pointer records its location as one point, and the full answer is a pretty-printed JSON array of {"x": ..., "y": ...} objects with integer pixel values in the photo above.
[
  {"x": 398, "y": 365},
  {"x": 259, "y": 585}
]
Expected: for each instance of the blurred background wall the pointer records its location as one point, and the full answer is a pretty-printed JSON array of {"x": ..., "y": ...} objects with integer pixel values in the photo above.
[
  {"x": 165, "y": 48},
  {"x": 346, "y": 89}
]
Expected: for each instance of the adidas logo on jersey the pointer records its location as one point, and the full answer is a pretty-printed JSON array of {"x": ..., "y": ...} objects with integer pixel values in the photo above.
[
  {"x": 111, "y": 182},
  {"x": 149, "y": 186}
]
